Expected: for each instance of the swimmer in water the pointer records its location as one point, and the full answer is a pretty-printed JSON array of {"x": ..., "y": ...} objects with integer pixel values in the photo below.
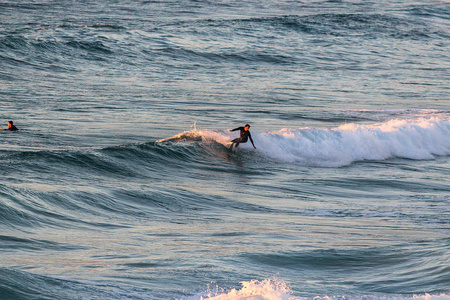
[{"x": 11, "y": 127}]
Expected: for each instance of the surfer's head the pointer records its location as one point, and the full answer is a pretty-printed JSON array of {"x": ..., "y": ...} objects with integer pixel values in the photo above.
[
  {"x": 247, "y": 127},
  {"x": 10, "y": 124}
]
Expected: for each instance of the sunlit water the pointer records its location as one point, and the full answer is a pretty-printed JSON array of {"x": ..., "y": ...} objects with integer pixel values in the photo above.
[{"x": 119, "y": 185}]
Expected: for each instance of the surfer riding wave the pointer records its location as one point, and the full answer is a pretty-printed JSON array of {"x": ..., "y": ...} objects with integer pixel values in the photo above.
[{"x": 244, "y": 136}]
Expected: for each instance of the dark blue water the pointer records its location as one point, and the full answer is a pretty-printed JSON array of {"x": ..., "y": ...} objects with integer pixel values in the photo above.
[{"x": 118, "y": 184}]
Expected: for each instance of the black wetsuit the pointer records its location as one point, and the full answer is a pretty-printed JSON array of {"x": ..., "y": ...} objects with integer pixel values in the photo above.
[
  {"x": 245, "y": 135},
  {"x": 12, "y": 128}
]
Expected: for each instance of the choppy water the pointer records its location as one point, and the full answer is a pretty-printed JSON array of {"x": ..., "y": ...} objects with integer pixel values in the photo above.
[{"x": 118, "y": 184}]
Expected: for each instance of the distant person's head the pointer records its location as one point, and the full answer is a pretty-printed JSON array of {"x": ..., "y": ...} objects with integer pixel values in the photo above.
[
  {"x": 10, "y": 124},
  {"x": 246, "y": 127}
]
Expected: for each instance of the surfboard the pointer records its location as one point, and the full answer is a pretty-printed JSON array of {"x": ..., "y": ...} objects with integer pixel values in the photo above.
[{"x": 231, "y": 146}]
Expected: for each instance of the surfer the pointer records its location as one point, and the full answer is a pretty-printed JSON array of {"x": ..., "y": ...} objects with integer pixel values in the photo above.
[
  {"x": 11, "y": 127},
  {"x": 245, "y": 135}
]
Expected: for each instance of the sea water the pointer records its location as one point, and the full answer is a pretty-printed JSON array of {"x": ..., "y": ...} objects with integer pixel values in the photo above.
[{"x": 118, "y": 184}]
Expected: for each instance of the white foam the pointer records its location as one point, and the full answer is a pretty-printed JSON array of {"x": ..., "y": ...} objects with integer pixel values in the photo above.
[
  {"x": 275, "y": 289},
  {"x": 412, "y": 139},
  {"x": 268, "y": 289}
]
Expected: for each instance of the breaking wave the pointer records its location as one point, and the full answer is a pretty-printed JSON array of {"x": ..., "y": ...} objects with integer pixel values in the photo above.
[
  {"x": 275, "y": 289},
  {"x": 416, "y": 139}
]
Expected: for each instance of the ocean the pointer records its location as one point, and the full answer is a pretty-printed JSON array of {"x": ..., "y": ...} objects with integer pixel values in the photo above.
[{"x": 119, "y": 184}]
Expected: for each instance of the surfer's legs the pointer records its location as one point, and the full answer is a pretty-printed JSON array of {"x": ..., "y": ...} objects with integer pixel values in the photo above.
[{"x": 236, "y": 142}]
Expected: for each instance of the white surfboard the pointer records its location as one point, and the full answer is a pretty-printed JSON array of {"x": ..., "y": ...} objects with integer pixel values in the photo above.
[{"x": 231, "y": 146}]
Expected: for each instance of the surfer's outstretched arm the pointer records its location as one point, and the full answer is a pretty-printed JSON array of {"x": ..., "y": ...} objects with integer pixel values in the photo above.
[
  {"x": 235, "y": 129},
  {"x": 251, "y": 140}
]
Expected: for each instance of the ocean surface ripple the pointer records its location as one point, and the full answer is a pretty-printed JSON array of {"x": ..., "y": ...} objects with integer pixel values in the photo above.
[{"x": 119, "y": 183}]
